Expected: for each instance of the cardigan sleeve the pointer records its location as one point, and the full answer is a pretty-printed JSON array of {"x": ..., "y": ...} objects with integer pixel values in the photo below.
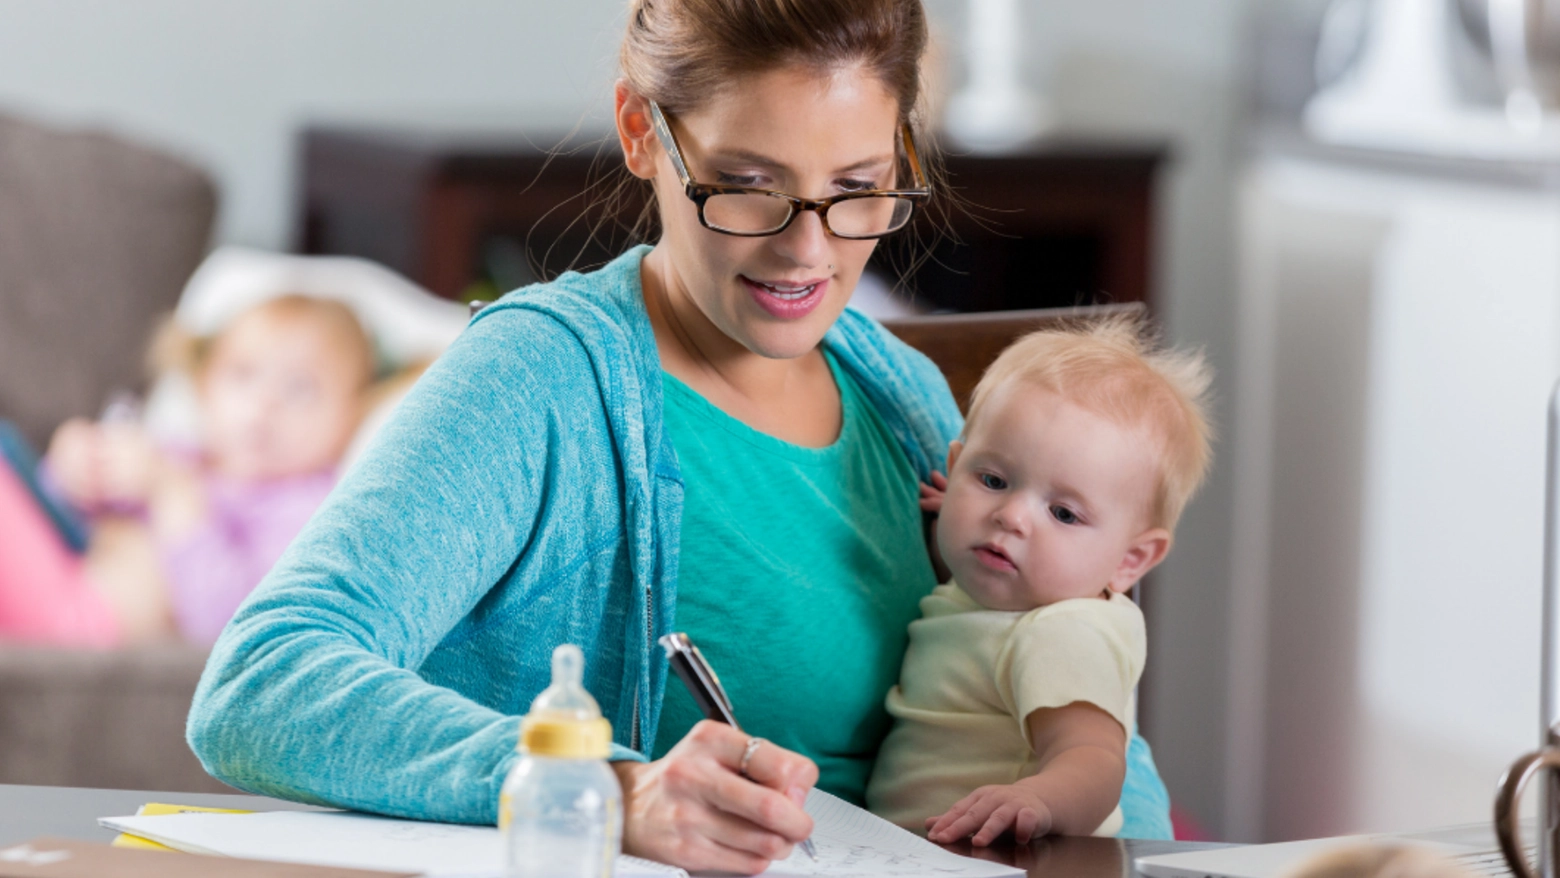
[{"x": 311, "y": 692}]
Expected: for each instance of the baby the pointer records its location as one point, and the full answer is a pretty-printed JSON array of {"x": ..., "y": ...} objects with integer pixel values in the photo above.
[
  {"x": 181, "y": 536},
  {"x": 1081, "y": 449}
]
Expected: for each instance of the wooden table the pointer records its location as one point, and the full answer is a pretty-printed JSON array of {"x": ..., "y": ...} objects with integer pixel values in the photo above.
[{"x": 28, "y": 812}]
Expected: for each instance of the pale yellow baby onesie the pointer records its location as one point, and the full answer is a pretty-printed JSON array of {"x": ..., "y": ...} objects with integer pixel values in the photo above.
[{"x": 970, "y": 677}]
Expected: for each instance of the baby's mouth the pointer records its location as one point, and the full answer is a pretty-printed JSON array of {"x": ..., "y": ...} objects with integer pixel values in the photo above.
[{"x": 992, "y": 556}]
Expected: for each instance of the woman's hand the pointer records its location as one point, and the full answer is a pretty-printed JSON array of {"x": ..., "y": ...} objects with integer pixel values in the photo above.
[
  {"x": 931, "y": 504},
  {"x": 694, "y": 809},
  {"x": 932, "y": 495}
]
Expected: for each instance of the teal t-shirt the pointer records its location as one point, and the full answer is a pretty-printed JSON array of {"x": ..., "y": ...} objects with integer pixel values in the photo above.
[{"x": 799, "y": 574}]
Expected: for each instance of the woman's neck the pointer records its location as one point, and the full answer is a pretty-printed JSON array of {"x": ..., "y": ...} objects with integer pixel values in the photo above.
[{"x": 792, "y": 399}]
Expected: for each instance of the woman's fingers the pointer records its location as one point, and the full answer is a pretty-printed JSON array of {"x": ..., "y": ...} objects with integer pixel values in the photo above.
[
  {"x": 694, "y": 809},
  {"x": 761, "y": 806},
  {"x": 931, "y": 499},
  {"x": 745, "y": 837},
  {"x": 777, "y": 768}
]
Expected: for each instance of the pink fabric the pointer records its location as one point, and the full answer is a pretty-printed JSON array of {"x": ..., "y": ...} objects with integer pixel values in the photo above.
[
  {"x": 248, "y": 526},
  {"x": 44, "y": 596}
]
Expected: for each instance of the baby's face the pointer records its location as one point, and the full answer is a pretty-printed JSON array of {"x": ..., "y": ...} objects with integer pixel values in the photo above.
[
  {"x": 1048, "y": 501},
  {"x": 279, "y": 398}
]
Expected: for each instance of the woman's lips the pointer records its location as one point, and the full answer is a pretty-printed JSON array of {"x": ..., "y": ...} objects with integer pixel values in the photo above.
[
  {"x": 994, "y": 558},
  {"x": 787, "y": 300}
]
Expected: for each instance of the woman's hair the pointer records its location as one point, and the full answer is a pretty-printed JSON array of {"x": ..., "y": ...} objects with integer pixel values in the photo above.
[
  {"x": 1117, "y": 369},
  {"x": 174, "y": 348},
  {"x": 679, "y": 52}
]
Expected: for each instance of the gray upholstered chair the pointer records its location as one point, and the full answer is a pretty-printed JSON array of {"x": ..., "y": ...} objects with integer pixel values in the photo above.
[{"x": 97, "y": 237}]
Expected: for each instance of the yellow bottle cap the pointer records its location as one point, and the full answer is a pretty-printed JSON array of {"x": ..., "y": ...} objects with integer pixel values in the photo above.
[
  {"x": 565, "y": 721},
  {"x": 566, "y": 738}
]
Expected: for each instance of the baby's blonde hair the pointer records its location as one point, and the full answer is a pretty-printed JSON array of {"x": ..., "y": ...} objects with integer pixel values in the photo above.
[{"x": 1116, "y": 368}]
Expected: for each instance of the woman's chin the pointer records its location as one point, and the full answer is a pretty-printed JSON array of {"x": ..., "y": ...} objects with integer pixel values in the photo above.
[
  {"x": 787, "y": 339},
  {"x": 784, "y": 345}
]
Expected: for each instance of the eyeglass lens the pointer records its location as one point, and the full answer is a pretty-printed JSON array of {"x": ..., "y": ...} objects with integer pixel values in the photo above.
[{"x": 754, "y": 213}]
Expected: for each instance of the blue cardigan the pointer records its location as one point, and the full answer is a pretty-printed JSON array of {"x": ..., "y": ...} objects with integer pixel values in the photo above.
[{"x": 525, "y": 495}]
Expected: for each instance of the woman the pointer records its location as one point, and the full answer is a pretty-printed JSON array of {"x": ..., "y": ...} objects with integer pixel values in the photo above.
[{"x": 698, "y": 433}]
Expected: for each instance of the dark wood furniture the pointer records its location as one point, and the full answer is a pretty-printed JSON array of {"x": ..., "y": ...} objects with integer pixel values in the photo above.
[{"x": 472, "y": 216}]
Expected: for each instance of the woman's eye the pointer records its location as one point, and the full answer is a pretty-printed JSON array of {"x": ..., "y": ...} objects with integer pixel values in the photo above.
[
  {"x": 855, "y": 185},
  {"x": 745, "y": 180},
  {"x": 1064, "y": 515},
  {"x": 995, "y": 483}
]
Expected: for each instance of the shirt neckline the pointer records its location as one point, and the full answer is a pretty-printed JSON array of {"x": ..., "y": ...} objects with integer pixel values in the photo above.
[{"x": 693, "y": 403}]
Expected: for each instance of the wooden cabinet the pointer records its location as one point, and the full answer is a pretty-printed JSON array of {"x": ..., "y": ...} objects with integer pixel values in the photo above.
[{"x": 1067, "y": 223}]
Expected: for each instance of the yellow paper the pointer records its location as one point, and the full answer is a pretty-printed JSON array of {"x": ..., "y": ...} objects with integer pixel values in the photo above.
[{"x": 157, "y": 809}]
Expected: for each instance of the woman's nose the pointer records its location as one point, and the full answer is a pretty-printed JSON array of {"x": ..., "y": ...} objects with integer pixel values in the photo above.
[{"x": 804, "y": 243}]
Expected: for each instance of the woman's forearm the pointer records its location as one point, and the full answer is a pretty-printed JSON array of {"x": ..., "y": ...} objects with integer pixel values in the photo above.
[{"x": 316, "y": 690}]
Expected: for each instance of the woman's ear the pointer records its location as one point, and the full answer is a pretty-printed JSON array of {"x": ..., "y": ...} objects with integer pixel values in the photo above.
[
  {"x": 1147, "y": 550},
  {"x": 635, "y": 133}
]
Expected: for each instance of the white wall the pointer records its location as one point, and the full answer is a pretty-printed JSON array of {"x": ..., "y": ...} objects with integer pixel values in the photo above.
[
  {"x": 1400, "y": 335},
  {"x": 228, "y": 84}
]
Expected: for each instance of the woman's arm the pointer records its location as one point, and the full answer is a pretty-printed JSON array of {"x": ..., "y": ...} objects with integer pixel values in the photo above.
[
  {"x": 312, "y": 692},
  {"x": 1080, "y": 750}
]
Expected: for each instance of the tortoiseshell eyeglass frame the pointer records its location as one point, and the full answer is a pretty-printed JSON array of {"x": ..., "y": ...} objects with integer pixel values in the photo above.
[{"x": 699, "y": 193}]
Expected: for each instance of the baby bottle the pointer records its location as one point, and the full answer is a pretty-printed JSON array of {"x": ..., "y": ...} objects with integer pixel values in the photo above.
[{"x": 561, "y": 811}]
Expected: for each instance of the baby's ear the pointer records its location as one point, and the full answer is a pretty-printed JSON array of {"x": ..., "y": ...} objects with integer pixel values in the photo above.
[
  {"x": 955, "y": 448},
  {"x": 1144, "y": 554}
]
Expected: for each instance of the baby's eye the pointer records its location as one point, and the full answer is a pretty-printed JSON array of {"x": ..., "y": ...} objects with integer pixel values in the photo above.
[
  {"x": 1064, "y": 515},
  {"x": 995, "y": 483}
]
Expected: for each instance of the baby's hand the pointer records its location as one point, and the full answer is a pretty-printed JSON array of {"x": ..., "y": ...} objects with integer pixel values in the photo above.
[
  {"x": 932, "y": 495},
  {"x": 103, "y": 464},
  {"x": 990, "y": 811},
  {"x": 72, "y": 459}
]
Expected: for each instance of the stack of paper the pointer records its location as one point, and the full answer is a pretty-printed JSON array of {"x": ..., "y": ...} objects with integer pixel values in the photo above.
[{"x": 852, "y": 843}]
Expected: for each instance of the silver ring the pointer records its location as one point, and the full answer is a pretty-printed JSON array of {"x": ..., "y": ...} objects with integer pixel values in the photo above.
[{"x": 747, "y": 755}]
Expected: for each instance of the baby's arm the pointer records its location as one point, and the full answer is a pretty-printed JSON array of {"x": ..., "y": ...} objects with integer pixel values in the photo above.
[{"x": 1082, "y": 756}]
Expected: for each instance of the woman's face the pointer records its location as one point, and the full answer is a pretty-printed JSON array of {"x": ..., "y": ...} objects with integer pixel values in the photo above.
[{"x": 794, "y": 130}]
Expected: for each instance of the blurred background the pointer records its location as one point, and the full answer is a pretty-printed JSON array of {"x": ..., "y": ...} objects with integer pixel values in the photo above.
[{"x": 1350, "y": 206}]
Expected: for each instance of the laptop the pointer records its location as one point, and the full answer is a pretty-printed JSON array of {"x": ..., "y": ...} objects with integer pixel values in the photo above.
[{"x": 1472, "y": 846}]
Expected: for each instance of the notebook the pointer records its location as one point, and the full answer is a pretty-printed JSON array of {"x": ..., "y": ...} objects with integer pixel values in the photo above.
[
  {"x": 156, "y": 808},
  {"x": 852, "y": 843}
]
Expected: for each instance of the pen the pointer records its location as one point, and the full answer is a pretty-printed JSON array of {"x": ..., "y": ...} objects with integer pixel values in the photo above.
[{"x": 704, "y": 686}]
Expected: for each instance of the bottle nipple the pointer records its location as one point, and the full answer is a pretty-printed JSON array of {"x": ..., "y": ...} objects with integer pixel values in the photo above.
[{"x": 565, "y": 720}]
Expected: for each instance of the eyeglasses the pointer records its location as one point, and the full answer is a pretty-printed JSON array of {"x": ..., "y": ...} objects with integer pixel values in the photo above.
[{"x": 754, "y": 213}]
